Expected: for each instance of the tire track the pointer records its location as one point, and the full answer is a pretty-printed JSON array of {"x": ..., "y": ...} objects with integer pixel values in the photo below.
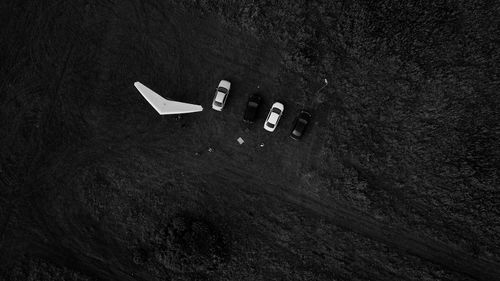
[{"x": 234, "y": 174}]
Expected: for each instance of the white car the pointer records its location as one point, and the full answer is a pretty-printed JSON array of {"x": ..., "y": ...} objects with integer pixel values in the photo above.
[
  {"x": 274, "y": 116},
  {"x": 221, "y": 95}
]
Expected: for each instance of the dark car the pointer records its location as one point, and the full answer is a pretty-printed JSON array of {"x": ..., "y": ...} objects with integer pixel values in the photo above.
[
  {"x": 300, "y": 125},
  {"x": 252, "y": 108}
]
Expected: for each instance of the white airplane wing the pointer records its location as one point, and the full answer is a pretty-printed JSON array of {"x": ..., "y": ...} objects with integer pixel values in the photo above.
[{"x": 164, "y": 106}]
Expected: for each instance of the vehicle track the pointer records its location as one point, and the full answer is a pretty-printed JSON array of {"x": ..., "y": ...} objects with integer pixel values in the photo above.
[{"x": 228, "y": 173}]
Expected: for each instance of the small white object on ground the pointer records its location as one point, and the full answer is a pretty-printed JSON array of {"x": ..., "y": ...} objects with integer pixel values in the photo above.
[
  {"x": 240, "y": 140},
  {"x": 261, "y": 145},
  {"x": 210, "y": 149}
]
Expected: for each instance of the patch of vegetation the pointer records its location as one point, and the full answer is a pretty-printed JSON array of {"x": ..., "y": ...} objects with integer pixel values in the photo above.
[
  {"x": 188, "y": 244},
  {"x": 33, "y": 269}
]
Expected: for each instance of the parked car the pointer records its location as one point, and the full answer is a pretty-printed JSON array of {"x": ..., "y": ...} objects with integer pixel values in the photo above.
[
  {"x": 274, "y": 116},
  {"x": 252, "y": 108},
  {"x": 221, "y": 95},
  {"x": 300, "y": 125}
]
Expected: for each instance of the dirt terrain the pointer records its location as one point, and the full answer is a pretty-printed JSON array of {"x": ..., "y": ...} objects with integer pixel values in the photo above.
[{"x": 396, "y": 179}]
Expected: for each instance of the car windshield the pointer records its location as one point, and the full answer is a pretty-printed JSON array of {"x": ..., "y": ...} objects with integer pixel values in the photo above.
[
  {"x": 218, "y": 103},
  {"x": 297, "y": 133},
  {"x": 221, "y": 89},
  {"x": 270, "y": 125},
  {"x": 276, "y": 110}
]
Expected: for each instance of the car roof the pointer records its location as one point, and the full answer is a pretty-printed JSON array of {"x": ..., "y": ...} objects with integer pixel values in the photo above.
[
  {"x": 273, "y": 117},
  {"x": 219, "y": 97},
  {"x": 299, "y": 126}
]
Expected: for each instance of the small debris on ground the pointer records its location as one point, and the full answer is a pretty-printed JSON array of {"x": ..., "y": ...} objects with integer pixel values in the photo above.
[
  {"x": 240, "y": 140},
  {"x": 210, "y": 149}
]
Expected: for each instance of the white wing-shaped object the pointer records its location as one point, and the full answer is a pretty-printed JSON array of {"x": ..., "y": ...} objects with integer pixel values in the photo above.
[{"x": 164, "y": 106}]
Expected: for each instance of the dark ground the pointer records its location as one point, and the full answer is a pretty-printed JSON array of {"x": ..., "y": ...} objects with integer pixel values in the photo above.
[{"x": 397, "y": 178}]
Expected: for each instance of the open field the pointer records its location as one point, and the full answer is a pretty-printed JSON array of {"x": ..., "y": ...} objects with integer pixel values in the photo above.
[{"x": 396, "y": 179}]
